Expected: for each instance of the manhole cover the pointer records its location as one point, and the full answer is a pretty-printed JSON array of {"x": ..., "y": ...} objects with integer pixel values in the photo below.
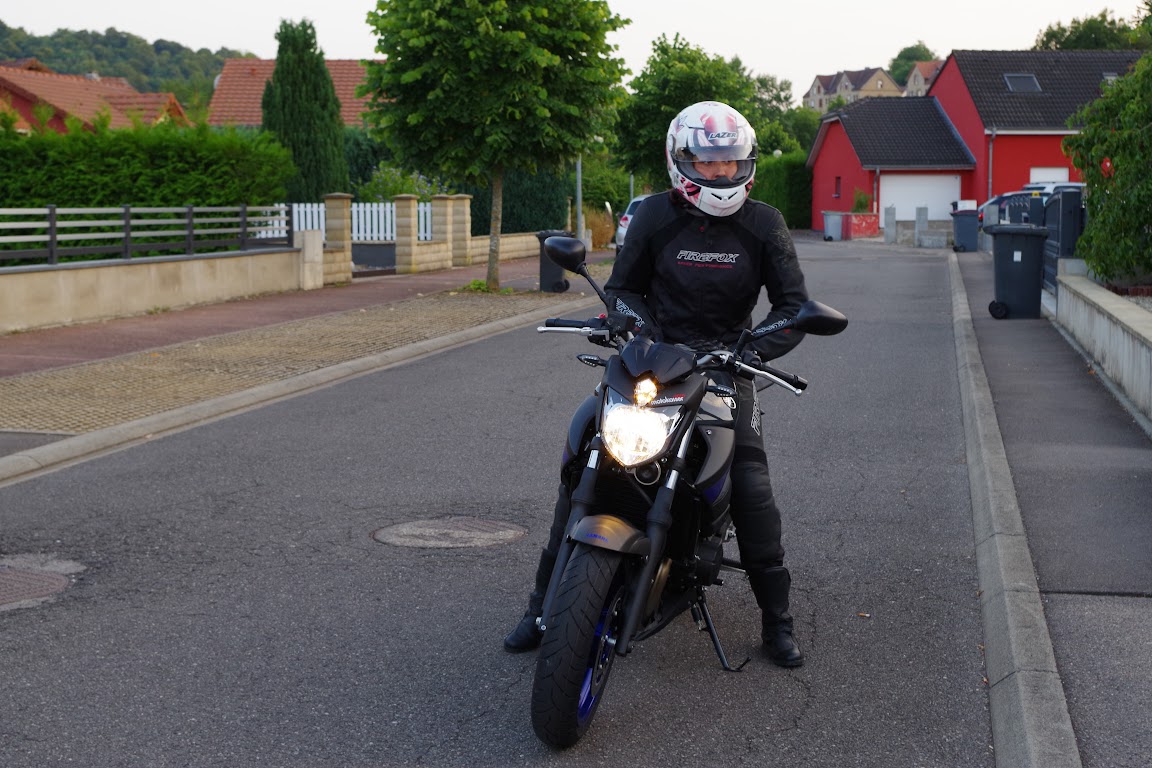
[
  {"x": 449, "y": 532},
  {"x": 17, "y": 585}
]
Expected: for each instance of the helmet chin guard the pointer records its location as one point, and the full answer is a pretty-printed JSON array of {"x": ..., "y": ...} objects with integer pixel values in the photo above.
[{"x": 706, "y": 136}]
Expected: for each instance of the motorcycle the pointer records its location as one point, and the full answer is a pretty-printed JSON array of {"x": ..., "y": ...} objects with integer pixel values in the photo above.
[{"x": 646, "y": 463}]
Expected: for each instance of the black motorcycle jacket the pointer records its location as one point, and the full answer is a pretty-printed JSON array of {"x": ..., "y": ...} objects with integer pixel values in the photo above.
[{"x": 694, "y": 279}]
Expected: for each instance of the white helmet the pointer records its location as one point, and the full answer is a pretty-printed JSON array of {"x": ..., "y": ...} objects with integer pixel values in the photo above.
[{"x": 711, "y": 131}]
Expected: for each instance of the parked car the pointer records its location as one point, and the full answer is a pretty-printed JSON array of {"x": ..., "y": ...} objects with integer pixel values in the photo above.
[
  {"x": 1049, "y": 188},
  {"x": 1000, "y": 208},
  {"x": 622, "y": 226}
]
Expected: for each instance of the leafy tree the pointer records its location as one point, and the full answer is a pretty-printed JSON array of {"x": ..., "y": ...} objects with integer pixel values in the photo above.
[
  {"x": 901, "y": 66},
  {"x": 677, "y": 74},
  {"x": 802, "y": 124},
  {"x": 1100, "y": 32},
  {"x": 302, "y": 111},
  {"x": 1113, "y": 153},
  {"x": 470, "y": 90},
  {"x": 771, "y": 97}
]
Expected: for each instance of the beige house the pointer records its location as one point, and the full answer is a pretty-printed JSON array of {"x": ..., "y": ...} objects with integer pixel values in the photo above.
[
  {"x": 921, "y": 77},
  {"x": 850, "y": 86}
]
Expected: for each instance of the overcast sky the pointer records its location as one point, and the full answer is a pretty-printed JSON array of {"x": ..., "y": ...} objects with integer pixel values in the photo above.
[{"x": 793, "y": 41}]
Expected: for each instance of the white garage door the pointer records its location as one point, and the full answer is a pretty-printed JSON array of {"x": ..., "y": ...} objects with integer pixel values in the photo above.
[{"x": 908, "y": 192}]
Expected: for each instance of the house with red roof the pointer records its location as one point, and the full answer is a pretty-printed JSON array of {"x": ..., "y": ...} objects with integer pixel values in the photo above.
[
  {"x": 239, "y": 91},
  {"x": 991, "y": 122},
  {"x": 28, "y": 89}
]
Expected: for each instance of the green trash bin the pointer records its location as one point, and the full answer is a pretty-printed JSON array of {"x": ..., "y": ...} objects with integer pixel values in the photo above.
[{"x": 1017, "y": 269}]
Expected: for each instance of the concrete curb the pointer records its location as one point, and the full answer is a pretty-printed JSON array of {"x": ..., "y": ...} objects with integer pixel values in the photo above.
[
  {"x": 1031, "y": 727},
  {"x": 22, "y": 466}
]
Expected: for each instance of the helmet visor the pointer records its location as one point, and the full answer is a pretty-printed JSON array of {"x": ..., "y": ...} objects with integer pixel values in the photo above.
[{"x": 717, "y": 172}]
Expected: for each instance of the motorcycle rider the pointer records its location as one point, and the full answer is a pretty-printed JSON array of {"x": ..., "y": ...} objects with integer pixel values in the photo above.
[{"x": 691, "y": 272}]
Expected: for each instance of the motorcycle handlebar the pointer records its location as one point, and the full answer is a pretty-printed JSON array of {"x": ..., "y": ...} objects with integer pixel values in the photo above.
[{"x": 560, "y": 322}]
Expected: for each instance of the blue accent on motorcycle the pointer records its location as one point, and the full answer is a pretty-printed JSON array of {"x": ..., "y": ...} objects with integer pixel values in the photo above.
[{"x": 595, "y": 536}]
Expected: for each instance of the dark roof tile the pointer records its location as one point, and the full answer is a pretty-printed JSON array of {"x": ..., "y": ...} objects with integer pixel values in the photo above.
[
  {"x": 902, "y": 133},
  {"x": 1068, "y": 80}
]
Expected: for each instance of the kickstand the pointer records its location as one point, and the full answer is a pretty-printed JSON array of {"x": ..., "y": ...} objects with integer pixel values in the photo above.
[{"x": 703, "y": 618}]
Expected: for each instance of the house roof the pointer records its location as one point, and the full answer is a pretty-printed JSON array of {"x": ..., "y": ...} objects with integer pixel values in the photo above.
[
  {"x": 928, "y": 69},
  {"x": 87, "y": 96},
  {"x": 858, "y": 78},
  {"x": 899, "y": 134},
  {"x": 240, "y": 90},
  {"x": 1066, "y": 81}
]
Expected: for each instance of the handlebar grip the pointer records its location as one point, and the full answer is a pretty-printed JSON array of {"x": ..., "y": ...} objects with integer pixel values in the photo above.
[
  {"x": 791, "y": 378},
  {"x": 560, "y": 322}
]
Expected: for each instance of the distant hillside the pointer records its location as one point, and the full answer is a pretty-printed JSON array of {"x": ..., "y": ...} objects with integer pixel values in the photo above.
[{"x": 150, "y": 67}]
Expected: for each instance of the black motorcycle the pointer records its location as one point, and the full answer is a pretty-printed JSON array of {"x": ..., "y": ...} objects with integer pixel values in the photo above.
[{"x": 647, "y": 465}]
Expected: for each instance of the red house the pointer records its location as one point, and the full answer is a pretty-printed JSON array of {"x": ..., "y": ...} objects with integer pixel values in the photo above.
[
  {"x": 29, "y": 91},
  {"x": 1008, "y": 110}
]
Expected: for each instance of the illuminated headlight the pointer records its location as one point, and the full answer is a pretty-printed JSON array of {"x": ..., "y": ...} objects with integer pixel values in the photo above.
[{"x": 635, "y": 435}]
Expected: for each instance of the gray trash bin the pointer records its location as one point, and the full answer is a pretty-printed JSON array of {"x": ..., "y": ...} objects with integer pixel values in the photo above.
[
  {"x": 552, "y": 278},
  {"x": 1017, "y": 269},
  {"x": 965, "y": 231},
  {"x": 833, "y": 225}
]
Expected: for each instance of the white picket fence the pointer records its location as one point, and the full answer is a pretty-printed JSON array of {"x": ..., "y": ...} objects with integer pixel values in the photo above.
[{"x": 370, "y": 221}]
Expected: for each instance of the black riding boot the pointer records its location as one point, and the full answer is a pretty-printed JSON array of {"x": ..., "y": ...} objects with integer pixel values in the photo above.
[
  {"x": 770, "y": 586},
  {"x": 526, "y": 636}
]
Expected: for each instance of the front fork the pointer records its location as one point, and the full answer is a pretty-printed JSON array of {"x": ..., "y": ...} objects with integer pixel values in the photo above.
[{"x": 658, "y": 522}]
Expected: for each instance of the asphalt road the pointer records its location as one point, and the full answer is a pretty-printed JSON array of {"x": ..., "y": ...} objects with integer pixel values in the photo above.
[{"x": 234, "y": 608}]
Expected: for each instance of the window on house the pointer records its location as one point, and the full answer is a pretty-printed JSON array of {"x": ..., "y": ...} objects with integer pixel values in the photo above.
[
  {"x": 1110, "y": 77},
  {"x": 836, "y": 190},
  {"x": 879, "y": 83},
  {"x": 1022, "y": 83}
]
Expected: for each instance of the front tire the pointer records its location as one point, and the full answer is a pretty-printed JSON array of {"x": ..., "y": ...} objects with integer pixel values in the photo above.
[{"x": 579, "y": 646}]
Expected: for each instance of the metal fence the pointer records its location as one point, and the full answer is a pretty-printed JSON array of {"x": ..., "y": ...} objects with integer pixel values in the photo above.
[
  {"x": 51, "y": 234},
  {"x": 370, "y": 221}
]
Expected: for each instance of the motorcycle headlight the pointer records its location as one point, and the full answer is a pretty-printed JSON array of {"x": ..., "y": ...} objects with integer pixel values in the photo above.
[{"x": 635, "y": 435}]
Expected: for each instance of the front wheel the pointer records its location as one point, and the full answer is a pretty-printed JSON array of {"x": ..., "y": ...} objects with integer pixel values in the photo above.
[{"x": 579, "y": 646}]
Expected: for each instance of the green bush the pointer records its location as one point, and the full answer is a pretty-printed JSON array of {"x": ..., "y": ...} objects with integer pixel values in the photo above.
[
  {"x": 532, "y": 203},
  {"x": 388, "y": 181},
  {"x": 159, "y": 166},
  {"x": 785, "y": 183}
]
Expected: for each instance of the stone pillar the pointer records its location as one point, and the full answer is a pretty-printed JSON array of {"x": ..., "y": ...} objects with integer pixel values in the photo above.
[
  {"x": 337, "y": 238},
  {"x": 442, "y": 219},
  {"x": 462, "y": 230},
  {"x": 890, "y": 224},
  {"x": 311, "y": 258},
  {"x": 407, "y": 233}
]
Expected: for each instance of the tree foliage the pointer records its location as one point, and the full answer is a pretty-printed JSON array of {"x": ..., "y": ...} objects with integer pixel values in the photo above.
[
  {"x": 1113, "y": 152},
  {"x": 160, "y": 66},
  {"x": 901, "y": 66},
  {"x": 469, "y": 89},
  {"x": 677, "y": 74},
  {"x": 302, "y": 111},
  {"x": 1100, "y": 32}
]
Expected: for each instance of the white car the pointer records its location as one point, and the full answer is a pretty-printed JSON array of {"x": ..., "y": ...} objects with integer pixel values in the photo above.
[{"x": 622, "y": 226}]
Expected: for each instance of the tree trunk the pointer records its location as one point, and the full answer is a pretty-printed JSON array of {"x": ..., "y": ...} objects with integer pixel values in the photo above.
[{"x": 494, "y": 231}]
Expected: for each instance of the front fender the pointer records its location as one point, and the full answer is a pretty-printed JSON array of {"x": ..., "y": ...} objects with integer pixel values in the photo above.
[{"x": 610, "y": 532}]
